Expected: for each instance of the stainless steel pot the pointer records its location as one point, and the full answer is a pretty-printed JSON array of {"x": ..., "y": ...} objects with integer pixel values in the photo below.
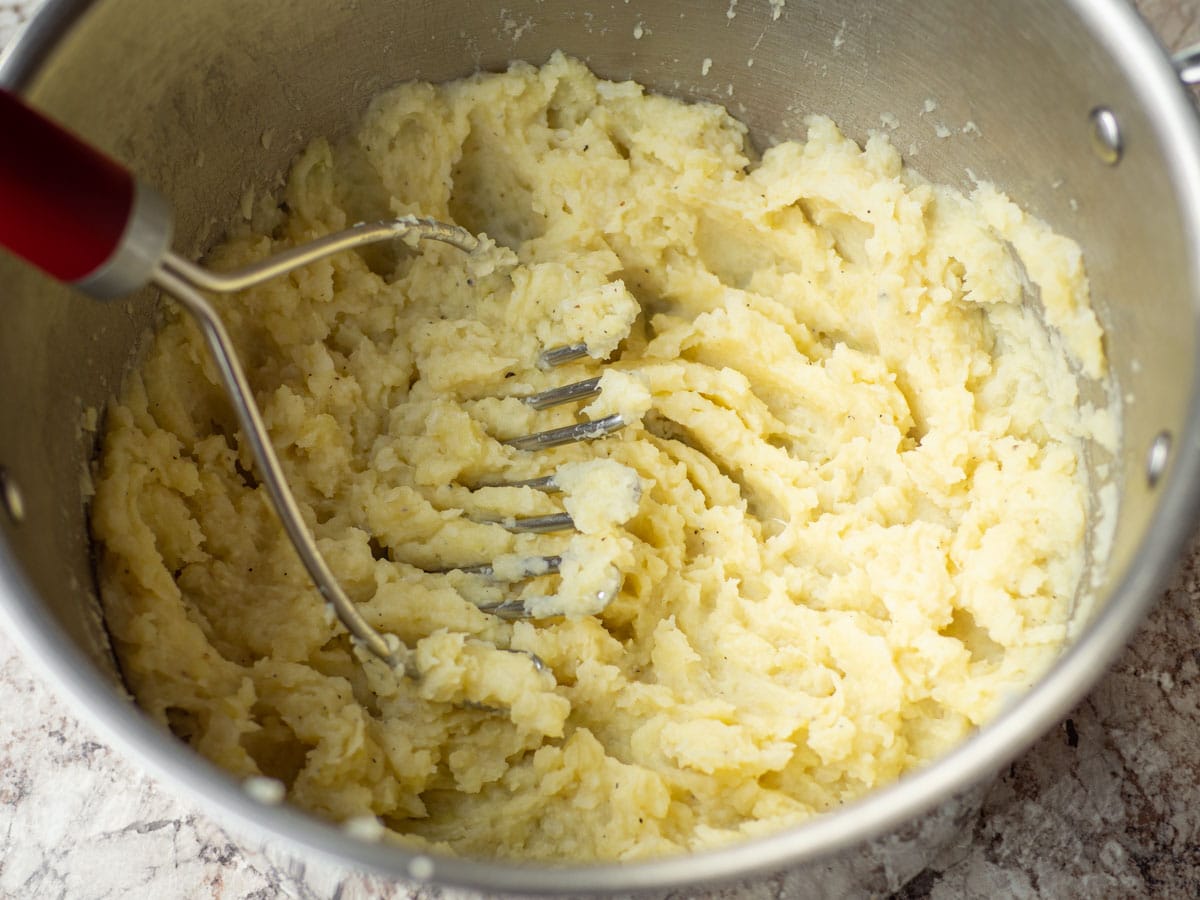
[{"x": 1074, "y": 109}]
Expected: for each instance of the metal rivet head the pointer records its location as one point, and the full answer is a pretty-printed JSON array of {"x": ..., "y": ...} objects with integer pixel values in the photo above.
[
  {"x": 1106, "y": 135},
  {"x": 420, "y": 868},
  {"x": 1157, "y": 457},
  {"x": 10, "y": 497}
]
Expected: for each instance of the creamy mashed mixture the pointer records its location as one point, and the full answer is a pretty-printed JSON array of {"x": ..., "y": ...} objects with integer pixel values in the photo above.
[{"x": 846, "y": 521}]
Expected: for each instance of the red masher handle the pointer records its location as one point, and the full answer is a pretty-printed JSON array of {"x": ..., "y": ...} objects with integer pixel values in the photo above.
[{"x": 64, "y": 205}]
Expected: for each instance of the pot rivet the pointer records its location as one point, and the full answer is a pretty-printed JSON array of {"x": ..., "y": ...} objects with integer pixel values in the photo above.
[
  {"x": 10, "y": 497},
  {"x": 1106, "y": 135},
  {"x": 1156, "y": 458},
  {"x": 420, "y": 868}
]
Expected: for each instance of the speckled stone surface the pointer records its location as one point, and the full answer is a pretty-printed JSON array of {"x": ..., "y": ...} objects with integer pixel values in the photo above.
[{"x": 1105, "y": 805}]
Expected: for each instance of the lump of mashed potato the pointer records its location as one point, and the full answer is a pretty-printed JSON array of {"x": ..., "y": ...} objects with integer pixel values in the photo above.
[{"x": 845, "y": 522}]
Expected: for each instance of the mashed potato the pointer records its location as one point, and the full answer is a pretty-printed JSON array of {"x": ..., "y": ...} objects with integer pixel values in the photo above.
[{"x": 846, "y": 519}]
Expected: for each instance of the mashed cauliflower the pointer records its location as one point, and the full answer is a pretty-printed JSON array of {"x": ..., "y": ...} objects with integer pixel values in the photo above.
[{"x": 845, "y": 522}]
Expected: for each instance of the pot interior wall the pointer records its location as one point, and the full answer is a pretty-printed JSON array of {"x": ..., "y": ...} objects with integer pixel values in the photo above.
[{"x": 206, "y": 99}]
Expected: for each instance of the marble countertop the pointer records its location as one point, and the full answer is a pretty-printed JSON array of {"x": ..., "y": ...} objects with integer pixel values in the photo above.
[{"x": 1105, "y": 805}]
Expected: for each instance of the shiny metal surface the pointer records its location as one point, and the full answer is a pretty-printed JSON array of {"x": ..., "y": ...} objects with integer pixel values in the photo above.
[
  {"x": 1106, "y": 136},
  {"x": 575, "y": 392},
  {"x": 538, "y": 565},
  {"x": 187, "y": 104},
  {"x": 557, "y": 356},
  {"x": 146, "y": 239},
  {"x": 1157, "y": 457},
  {"x": 360, "y": 235},
  {"x": 536, "y": 524},
  {"x": 11, "y": 498},
  {"x": 1187, "y": 62},
  {"x": 569, "y": 434}
]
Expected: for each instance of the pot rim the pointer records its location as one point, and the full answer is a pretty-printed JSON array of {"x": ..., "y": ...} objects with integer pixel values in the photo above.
[{"x": 1144, "y": 63}]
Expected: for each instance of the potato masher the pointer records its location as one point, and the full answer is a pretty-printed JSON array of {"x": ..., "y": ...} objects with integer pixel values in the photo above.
[{"x": 86, "y": 221}]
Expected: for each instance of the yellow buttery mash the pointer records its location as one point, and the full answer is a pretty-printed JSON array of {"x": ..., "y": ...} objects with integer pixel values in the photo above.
[{"x": 846, "y": 519}]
